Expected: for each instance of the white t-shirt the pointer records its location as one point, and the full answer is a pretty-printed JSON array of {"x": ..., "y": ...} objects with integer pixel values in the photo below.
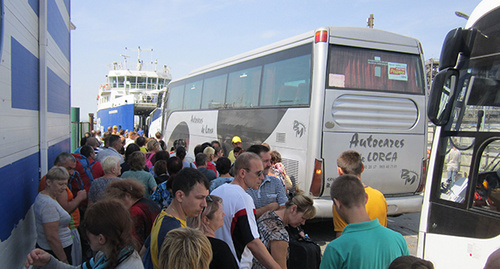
[
  {"x": 48, "y": 210},
  {"x": 240, "y": 226}
]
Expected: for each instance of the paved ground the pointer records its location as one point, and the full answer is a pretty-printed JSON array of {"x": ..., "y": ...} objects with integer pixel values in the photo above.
[{"x": 407, "y": 224}]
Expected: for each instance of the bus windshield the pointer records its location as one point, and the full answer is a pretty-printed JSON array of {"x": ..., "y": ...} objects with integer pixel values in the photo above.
[{"x": 369, "y": 69}]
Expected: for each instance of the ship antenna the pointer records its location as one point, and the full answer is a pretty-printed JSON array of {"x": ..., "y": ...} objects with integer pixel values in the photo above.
[{"x": 125, "y": 60}]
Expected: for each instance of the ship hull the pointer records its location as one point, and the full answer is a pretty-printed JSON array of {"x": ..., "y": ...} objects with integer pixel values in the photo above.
[{"x": 121, "y": 116}]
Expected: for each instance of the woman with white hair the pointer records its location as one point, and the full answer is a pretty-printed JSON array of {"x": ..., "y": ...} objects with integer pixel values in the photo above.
[{"x": 112, "y": 169}]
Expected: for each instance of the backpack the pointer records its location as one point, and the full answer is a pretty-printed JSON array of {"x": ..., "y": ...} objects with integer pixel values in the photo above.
[
  {"x": 87, "y": 166},
  {"x": 149, "y": 163}
]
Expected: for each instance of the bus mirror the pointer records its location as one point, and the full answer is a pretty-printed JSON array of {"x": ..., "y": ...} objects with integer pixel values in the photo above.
[
  {"x": 440, "y": 98},
  {"x": 452, "y": 46}
]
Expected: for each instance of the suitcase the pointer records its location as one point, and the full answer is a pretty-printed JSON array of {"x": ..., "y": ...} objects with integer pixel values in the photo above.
[{"x": 303, "y": 252}]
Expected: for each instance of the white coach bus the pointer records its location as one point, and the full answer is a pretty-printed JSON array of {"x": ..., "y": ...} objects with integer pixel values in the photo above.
[
  {"x": 312, "y": 97},
  {"x": 460, "y": 220}
]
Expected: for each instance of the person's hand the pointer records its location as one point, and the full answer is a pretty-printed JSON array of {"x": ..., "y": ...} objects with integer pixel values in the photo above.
[
  {"x": 81, "y": 195},
  {"x": 37, "y": 257}
]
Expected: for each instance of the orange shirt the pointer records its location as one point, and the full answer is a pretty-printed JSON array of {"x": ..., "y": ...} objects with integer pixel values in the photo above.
[
  {"x": 75, "y": 214},
  {"x": 376, "y": 207}
]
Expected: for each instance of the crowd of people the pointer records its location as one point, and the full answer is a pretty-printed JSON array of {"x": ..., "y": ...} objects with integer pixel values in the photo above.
[{"x": 124, "y": 201}]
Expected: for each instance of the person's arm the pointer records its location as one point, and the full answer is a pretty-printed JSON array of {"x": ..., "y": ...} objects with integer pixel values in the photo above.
[
  {"x": 51, "y": 234},
  {"x": 260, "y": 252},
  {"x": 40, "y": 258},
  {"x": 278, "y": 249},
  {"x": 70, "y": 206},
  {"x": 261, "y": 210}
]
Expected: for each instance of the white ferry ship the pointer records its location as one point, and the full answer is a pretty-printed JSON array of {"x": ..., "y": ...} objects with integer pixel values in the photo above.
[{"x": 130, "y": 95}]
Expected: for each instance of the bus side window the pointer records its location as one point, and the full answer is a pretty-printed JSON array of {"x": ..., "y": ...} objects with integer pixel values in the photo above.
[
  {"x": 487, "y": 191},
  {"x": 454, "y": 178}
]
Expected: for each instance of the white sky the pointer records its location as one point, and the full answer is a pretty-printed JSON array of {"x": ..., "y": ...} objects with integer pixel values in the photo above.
[{"x": 188, "y": 34}]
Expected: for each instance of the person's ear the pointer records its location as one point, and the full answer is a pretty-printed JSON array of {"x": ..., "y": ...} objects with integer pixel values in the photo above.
[
  {"x": 102, "y": 239},
  {"x": 339, "y": 171},
  {"x": 336, "y": 203},
  {"x": 362, "y": 168},
  {"x": 205, "y": 220},
  {"x": 366, "y": 198},
  {"x": 179, "y": 196}
]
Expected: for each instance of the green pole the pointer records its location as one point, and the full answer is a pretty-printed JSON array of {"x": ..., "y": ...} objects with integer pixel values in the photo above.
[{"x": 75, "y": 128}]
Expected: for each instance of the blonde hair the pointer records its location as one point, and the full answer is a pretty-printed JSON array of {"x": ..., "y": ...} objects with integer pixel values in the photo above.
[
  {"x": 304, "y": 204},
  {"x": 213, "y": 204},
  {"x": 57, "y": 173},
  {"x": 185, "y": 248}
]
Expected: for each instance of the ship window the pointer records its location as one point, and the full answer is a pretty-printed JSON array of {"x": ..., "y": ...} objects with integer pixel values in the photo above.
[
  {"x": 121, "y": 82},
  {"x": 113, "y": 82},
  {"x": 131, "y": 82},
  {"x": 161, "y": 83},
  {"x": 141, "y": 82},
  {"x": 152, "y": 83}
]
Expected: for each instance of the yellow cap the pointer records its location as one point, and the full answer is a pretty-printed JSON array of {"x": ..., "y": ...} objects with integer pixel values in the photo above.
[
  {"x": 236, "y": 139},
  {"x": 115, "y": 127}
]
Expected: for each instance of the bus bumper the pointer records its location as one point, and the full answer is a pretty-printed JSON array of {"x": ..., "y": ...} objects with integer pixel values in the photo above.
[
  {"x": 395, "y": 205},
  {"x": 404, "y": 204}
]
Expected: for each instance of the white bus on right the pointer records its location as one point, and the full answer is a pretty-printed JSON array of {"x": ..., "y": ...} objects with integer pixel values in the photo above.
[{"x": 460, "y": 217}]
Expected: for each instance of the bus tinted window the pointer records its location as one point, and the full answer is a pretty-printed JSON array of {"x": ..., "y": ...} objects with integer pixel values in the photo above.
[
  {"x": 287, "y": 82},
  {"x": 175, "y": 97},
  {"x": 367, "y": 69},
  {"x": 243, "y": 87},
  {"x": 214, "y": 91},
  {"x": 192, "y": 95}
]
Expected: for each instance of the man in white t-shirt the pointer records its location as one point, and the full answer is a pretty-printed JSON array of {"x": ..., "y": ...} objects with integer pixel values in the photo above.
[{"x": 240, "y": 227}]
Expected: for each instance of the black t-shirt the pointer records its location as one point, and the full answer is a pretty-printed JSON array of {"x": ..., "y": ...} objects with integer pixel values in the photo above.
[{"x": 222, "y": 256}]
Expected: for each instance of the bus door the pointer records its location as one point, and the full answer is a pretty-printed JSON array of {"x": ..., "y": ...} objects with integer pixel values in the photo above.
[{"x": 460, "y": 221}]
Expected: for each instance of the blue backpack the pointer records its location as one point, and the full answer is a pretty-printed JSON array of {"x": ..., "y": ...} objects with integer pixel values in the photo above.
[{"x": 87, "y": 167}]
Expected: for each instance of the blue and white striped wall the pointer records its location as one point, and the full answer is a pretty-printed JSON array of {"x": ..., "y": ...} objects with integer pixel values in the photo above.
[{"x": 34, "y": 112}]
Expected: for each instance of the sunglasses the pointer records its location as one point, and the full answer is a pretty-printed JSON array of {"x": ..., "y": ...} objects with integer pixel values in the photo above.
[{"x": 258, "y": 173}]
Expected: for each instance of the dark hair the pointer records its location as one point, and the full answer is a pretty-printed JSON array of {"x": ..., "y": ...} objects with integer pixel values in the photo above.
[
  {"x": 116, "y": 226},
  {"x": 137, "y": 161},
  {"x": 349, "y": 190},
  {"x": 410, "y": 262},
  {"x": 113, "y": 139},
  {"x": 158, "y": 135},
  {"x": 160, "y": 167},
  {"x": 215, "y": 142},
  {"x": 63, "y": 157},
  {"x": 131, "y": 148},
  {"x": 257, "y": 149},
  {"x": 174, "y": 165},
  {"x": 83, "y": 141},
  {"x": 237, "y": 149},
  {"x": 86, "y": 151},
  {"x": 350, "y": 162},
  {"x": 198, "y": 149},
  {"x": 162, "y": 155},
  {"x": 223, "y": 165},
  {"x": 187, "y": 178},
  {"x": 140, "y": 141},
  {"x": 180, "y": 152},
  {"x": 201, "y": 159},
  {"x": 179, "y": 142}
]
